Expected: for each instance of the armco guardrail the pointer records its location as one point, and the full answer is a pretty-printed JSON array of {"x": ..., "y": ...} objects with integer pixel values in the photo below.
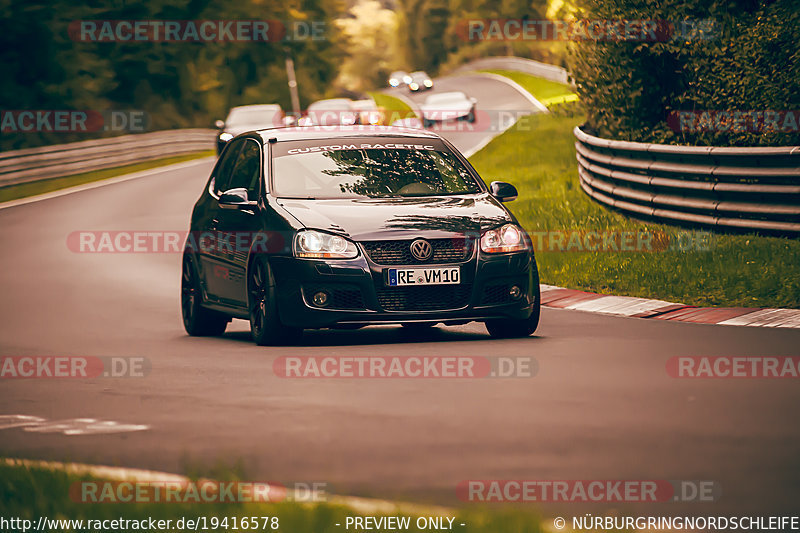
[
  {"x": 729, "y": 188},
  {"x": 21, "y": 166},
  {"x": 528, "y": 66}
]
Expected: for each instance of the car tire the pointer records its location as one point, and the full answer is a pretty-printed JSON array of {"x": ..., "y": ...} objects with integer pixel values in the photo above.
[
  {"x": 515, "y": 329},
  {"x": 265, "y": 325},
  {"x": 471, "y": 116},
  {"x": 197, "y": 320},
  {"x": 427, "y": 124}
]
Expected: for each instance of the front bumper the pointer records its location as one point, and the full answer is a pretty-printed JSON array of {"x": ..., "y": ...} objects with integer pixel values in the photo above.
[{"x": 359, "y": 295}]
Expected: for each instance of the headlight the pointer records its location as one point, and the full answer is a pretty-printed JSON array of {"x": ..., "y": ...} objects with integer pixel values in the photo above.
[
  {"x": 413, "y": 86},
  {"x": 225, "y": 137},
  {"x": 508, "y": 238},
  {"x": 428, "y": 83},
  {"x": 320, "y": 245},
  {"x": 394, "y": 83}
]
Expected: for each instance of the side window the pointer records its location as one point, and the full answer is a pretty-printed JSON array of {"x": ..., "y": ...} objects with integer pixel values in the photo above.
[
  {"x": 223, "y": 176},
  {"x": 247, "y": 171}
]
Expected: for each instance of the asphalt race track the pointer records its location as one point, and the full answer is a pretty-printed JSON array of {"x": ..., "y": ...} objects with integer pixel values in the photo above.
[
  {"x": 498, "y": 104},
  {"x": 601, "y": 406}
]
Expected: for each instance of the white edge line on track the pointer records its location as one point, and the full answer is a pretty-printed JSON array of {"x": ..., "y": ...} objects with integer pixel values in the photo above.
[
  {"x": 528, "y": 96},
  {"x": 104, "y": 182},
  {"x": 409, "y": 102},
  {"x": 483, "y": 143},
  {"x": 630, "y": 306}
]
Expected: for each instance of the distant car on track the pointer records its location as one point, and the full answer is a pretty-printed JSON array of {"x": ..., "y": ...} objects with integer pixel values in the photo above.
[
  {"x": 350, "y": 226},
  {"x": 420, "y": 81},
  {"x": 368, "y": 112},
  {"x": 442, "y": 107},
  {"x": 398, "y": 78},
  {"x": 330, "y": 112},
  {"x": 247, "y": 118}
]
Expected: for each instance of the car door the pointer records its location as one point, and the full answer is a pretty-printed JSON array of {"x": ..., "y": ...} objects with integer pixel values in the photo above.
[
  {"x": 211, "y": 251},
  {"x": 239, "y": 225}
]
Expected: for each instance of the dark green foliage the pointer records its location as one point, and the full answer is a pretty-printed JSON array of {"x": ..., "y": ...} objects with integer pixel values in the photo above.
[
  {"x": 183, "y": 84},
  {"x": 750, "y": 62}
]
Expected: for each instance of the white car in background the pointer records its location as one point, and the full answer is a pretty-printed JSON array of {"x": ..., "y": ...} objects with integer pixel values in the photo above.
[
  {"x": 330, "y": 112},
  {"x": 248, "y": 118},
  {"x": 420, "y": 81},
  {"x": 398, "y": 78},
  {"x": 368, "y": 112},
  {"x": 442, "y": 107}
]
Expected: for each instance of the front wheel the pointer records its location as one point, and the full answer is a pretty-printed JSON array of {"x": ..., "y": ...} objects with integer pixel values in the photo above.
[
  {"x": 265, "y": 325},
  {"x": 197, "y": 320}
]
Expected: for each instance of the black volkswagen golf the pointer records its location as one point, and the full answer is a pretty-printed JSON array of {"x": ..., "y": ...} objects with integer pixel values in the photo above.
[{"x": 347, "y": 226}]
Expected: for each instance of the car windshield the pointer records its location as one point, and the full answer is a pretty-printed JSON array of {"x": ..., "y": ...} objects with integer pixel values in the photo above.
[
  {"x": 242, "y": 116},
  {"x": 370, "y": 170}
]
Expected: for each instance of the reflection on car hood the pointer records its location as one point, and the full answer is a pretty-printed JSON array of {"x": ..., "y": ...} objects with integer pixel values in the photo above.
[{"x": 398, "y": 218}]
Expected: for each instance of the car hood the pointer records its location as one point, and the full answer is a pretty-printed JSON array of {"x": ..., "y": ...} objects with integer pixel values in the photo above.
[{"x": 398, "y": 218}]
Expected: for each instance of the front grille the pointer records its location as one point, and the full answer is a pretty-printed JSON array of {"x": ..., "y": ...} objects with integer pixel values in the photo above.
[
  {"x": 342, "y": 295},
  {"x": 495, "y": 294},
  {"x": 424, "y": 298},
  {"x": 454, "y": 250}
]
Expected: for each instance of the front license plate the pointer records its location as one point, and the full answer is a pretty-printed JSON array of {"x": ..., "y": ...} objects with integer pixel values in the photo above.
[{"x": 398, "y": 277}]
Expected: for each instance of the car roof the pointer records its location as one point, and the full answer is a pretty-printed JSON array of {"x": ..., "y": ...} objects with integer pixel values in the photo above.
[
  {"x": 265, "y": 107},
  {"x": 331, "y": 101},
  {"x": 368, "y": 103},
  {"x": 442, "y": 97},
  {"x": 305, "y": 133}
]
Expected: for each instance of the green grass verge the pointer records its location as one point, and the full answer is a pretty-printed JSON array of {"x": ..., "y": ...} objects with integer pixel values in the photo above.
[
  {"x": 30, "y": 493},
  {"x": 547, "y": 92},
  {"x": 538, "y": 156},
  {"x": 23, "y": 190},
  {"x": 394, "y": 107}
]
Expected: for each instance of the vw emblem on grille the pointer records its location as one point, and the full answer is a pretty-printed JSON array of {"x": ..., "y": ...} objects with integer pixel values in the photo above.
[{"x": 421, "y": 250}]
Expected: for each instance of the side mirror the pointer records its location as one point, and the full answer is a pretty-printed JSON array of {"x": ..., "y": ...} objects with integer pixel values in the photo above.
[
  {"x": 505, "y": 192},
  {"x": 235, "y": 199},
  {"x": 219, "y": 124}
]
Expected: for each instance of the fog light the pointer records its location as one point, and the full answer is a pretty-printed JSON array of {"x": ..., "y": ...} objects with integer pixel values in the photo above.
[
  {"x": 515, "y": 292},
  {"x": 320, "y": 299}
]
